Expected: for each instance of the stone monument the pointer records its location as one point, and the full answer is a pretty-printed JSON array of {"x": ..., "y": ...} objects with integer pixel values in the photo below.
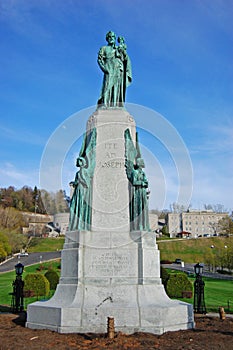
[{"x": 110, "y": 260}]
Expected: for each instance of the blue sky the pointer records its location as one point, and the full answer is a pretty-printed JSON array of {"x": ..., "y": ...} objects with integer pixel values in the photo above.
[{"x": 181, "y": 54}]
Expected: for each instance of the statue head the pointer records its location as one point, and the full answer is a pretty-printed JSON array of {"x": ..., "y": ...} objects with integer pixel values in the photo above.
[
  {"x": 140, "y": 163},
  {"x": 81, "y": 162},
  {"x": 111, "y": 37},
  {"x": 121, "y": 40}
]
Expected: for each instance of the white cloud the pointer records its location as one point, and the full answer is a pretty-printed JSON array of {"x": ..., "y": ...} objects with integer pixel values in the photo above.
[
  {"x": 18, "y": 14},
  {"x": 22, "y": 135},
  {"x": 10, "y": 175},
  {"x": 212, "y": 184}
]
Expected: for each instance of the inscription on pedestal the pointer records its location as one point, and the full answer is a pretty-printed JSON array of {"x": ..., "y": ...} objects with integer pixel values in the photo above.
[
  {"x": 110, "y": 264},
  {"x": 110, "y": 158},
  {"x": 110, "y": 204},
  {"x": 111, "y": 164}
]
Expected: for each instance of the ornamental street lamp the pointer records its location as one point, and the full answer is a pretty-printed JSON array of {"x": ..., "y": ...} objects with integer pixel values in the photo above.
[
  {"x": 18, "y": 284},
  {"x": 199, "y": 285}
]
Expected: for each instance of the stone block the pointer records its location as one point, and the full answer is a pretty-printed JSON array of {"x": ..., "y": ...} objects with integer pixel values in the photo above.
[{"x": 110, "y": 271}]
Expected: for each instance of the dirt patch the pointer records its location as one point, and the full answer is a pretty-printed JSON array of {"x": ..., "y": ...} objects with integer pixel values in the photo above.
[{"x": 210, "y": 333}]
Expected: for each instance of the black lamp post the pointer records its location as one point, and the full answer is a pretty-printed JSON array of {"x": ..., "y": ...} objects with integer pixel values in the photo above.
[
  {"x": 18, "y": 284},
  {"x": 199, "y": 285}
]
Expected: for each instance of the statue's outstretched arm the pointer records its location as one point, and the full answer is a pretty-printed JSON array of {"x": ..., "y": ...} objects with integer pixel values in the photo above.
[
  {"x": 101, "y": 60},
  {"x": 130, "y": 154},
  {"x": 91, "y": 153}
]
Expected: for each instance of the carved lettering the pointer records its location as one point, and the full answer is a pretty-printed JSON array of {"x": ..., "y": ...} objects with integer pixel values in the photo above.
[
  {"x": 111, "y": 164},
  {"x": 110, "y": 145},
  {"x": 110, "y": 263},
  {"x": 110, "y": 155}
]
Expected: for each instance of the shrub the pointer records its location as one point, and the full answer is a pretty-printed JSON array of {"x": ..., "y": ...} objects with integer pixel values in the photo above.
[
  {"x": 178, "y": 283},
  {"x": 38, "y": 283},
  {"x": 3, "y": 253},
  {"x": 53, "y": 278},
  {"x": 164, "y": 276},
  {"x": 224, "y": 272}
]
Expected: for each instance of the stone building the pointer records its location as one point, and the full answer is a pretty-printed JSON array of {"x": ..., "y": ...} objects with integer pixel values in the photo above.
[
  {"x": 35, "y": 223},
  {"x": 153, "y": 220},
  {"x": 197, "y": 223},
  {"x": 61, "y": 222}
]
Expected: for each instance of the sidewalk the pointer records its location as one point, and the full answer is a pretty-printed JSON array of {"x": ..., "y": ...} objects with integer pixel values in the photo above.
[
  {"x": 8, "y": 259},
  {"x": 216, "y": 314}
]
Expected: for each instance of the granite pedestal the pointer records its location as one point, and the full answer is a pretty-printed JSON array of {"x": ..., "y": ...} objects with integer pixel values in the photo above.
[{"x": 110, "y": 271}]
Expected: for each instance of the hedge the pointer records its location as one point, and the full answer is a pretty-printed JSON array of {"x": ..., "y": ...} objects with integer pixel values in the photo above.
[
  {"x": 164, "y": 276},
  {"x": 178, "y": 283},
  {"x": 53, "y": 278},
  {"x": 38, "y": 283}
]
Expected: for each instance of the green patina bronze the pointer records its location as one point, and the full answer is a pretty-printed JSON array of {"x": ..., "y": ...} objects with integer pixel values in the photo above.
[
  {"x": 116, "y": 66},
  {"x": 138, "y": 186},
  {"x": 81, "y": 201}
]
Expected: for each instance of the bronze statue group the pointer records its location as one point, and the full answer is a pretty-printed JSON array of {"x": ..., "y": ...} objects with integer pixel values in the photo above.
[{"x": 116, "y": 66}]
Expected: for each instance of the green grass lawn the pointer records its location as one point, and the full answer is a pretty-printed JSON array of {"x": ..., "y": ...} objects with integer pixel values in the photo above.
[
  {"x": 217, "y": 293},
  {"x": 190, "y": 250},
  {"x": 38, "y": 245},
  {"x": 7, "y": 278}
]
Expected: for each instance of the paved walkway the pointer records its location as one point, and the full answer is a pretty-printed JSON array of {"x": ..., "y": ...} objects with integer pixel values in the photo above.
[
  {"x": 31, "y": 259},
  {"x": 215, "y": 314},
  {"x": 189, "y": 269}
]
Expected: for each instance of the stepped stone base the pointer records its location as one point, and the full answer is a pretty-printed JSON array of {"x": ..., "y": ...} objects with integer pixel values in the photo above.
[
  {"x": 121, "y": 281},
  {"x": 91, "y": 307},
  {"x": 110, "y": 271}
]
